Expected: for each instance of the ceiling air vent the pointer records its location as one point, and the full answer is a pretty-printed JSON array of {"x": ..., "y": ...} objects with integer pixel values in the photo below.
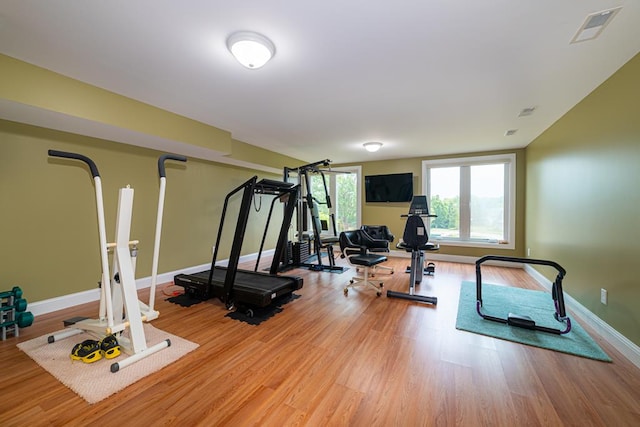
[
  {"x": 510, "y": 132},
  {"x": 527, "y": 111},
  {"x": 594, "y": 24}
]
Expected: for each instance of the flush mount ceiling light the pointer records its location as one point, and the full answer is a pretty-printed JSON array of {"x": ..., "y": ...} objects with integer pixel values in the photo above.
[
  {"x": 372, "y": 146},
  {"x": 251, "y": 49}
]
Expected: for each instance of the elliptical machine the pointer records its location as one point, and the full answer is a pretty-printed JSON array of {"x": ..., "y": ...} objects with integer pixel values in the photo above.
[{"x": 120, "y": 309}]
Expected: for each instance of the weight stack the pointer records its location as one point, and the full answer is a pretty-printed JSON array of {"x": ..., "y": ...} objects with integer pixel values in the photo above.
[
  {"x": 287, "y": 254},
  {"x": 301, "y": 253}
]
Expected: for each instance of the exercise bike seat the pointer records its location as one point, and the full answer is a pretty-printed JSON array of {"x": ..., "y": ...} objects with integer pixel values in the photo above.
[
  {"x": 415, "y": 237},
  {"x": 429, "y": 246}
]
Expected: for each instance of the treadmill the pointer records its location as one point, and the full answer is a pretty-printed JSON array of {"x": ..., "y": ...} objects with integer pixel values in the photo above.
[{"x": 245, "y": 289}]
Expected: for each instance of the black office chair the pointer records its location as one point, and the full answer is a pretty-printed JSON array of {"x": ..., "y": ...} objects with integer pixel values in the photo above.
[
  {"x": 355, "y": 246},
  {"x": 415, "y": 239},
  {"x": 380, "y": 232}
]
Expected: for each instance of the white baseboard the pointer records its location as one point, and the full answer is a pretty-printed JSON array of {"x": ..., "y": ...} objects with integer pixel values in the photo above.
[
  {"x": 66, "y": 301},
  {"x": 628, "y": 349}
]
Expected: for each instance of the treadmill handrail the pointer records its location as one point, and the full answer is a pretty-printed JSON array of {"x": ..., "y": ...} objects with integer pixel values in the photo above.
[
  {"x": 249, "y": 183},
  {"x": 290, "y": 205}
]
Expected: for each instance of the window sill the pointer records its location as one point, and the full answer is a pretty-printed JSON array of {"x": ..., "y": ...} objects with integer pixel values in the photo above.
[{"x": 476, "y": 244}]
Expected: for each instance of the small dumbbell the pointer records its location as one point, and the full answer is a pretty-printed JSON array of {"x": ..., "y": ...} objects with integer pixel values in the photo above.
[
  {"x": 24, "y": 319},
  {"x": 20, "y": 305}
]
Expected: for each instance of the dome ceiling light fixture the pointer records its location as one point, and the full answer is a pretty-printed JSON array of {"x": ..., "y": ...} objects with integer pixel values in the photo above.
[
  {"x": 251, "y": 49},
  {"x": 373, "y": 146}
]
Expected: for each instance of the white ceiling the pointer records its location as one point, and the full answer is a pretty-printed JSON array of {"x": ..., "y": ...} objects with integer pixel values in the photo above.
[{"x": 423, "y": 77}]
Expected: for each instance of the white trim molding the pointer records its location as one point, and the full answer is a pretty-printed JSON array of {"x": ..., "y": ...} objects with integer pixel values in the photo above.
[
  {"x": 628, "y": 349},
  {"x": 66, "y": 301},
  {"x": 509, "y": 195}
]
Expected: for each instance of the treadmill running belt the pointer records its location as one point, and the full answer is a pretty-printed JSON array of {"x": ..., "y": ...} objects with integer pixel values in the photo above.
[{"x": 250, "y": 287}]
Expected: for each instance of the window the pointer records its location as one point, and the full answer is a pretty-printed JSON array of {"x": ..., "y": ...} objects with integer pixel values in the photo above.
[
  {"x": 344, "y": 190},
  {"x": 474, "y": 200}
]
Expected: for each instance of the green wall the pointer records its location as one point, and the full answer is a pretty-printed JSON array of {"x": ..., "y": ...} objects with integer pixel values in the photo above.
[
  {"x": 389, "y": 214},
  {"x": 48, "y": 220},
  {"x": 47, "y": 91},
  {"x": 49, "y": 223},
  {"x": 583, "y": 199}
]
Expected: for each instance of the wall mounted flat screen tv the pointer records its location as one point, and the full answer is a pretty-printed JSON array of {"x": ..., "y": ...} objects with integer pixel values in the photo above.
[{"x": 397, "y": 187}]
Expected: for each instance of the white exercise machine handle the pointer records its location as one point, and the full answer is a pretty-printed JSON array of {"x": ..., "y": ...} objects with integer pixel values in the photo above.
[
  {"x": 156, "y": 244},
  {"x": 104, "y": 257}
]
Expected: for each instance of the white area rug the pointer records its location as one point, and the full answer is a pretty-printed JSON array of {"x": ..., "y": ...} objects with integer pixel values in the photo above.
[{"x": 95, "y": 381}]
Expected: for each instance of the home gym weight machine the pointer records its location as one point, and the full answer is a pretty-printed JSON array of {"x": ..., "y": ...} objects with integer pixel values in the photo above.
[
  {"x": 308, "y": 205},
  {"x": 523, "y": 321},
  {"x": 120, "y": 309}
]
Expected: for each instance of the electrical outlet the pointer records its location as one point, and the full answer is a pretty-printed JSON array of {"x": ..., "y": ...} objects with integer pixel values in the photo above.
[
  {"x": 528, "y": 251},
  {"x": 213, "y": 250},
  {"x": 603, "y": 296}
]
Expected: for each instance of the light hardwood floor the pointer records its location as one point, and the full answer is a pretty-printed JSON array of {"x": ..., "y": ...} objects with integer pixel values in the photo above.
[{"x": 331, "y": 360}]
